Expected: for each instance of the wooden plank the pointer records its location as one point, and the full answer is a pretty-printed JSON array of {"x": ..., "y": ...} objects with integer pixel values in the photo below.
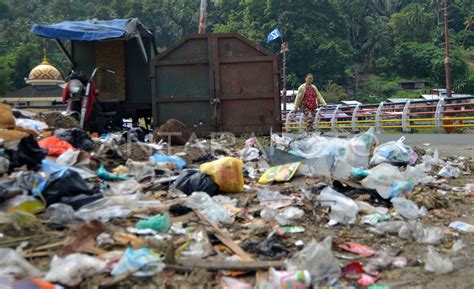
[
  {"x": 224, "y": 237},
  {"x": 186, "y": 265}
]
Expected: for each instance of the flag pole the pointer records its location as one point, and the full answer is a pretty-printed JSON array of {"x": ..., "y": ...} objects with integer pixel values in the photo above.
[{"x": 284, "y": 47}]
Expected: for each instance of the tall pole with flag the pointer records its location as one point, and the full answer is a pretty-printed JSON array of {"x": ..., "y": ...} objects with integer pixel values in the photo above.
[{"x": 275, "y": 34}]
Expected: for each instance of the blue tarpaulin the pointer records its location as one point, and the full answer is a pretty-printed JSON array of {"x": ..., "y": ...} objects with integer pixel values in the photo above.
[{"x": 92, "y": 30}]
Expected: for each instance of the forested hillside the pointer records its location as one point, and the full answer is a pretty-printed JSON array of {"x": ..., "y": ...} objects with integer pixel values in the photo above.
[{"x": 355, "y": 47}]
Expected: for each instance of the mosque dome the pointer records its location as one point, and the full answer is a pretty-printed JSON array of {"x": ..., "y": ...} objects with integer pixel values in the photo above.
[{"x": 44, "y": 74}]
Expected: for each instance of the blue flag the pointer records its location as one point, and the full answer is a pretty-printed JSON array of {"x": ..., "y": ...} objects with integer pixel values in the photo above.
[{"x": 273, "y": 35}]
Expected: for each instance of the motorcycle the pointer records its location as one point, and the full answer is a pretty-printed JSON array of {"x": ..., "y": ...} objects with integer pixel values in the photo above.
[{"x": 80, "y": 94}]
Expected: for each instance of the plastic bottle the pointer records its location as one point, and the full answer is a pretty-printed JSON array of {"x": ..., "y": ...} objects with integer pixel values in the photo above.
[{"x": 290, "y": 280}]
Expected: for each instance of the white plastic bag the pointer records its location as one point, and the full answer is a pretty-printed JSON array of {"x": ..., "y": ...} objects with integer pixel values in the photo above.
[
  {"x": 387, "y": 180},
  {"x": 437, "y": 263},
  {"x": 406, "y": 208},
  {"x": 395, "y": 153},
  {"x": 207, "y": 206},
  {"x": 72, "y": 268},
  {"x": 318, "y": 260}
]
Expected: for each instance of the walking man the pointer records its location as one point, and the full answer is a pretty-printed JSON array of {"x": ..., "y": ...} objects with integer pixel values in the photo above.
[{"x": 309, "y": 99}]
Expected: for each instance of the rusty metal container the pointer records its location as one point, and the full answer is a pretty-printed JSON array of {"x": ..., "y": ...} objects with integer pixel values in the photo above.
[{"x": 220, "y": 82}]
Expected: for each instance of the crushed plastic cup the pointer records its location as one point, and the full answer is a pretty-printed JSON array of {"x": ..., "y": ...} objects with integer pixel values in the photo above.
[{"x": 284, "y": 279}]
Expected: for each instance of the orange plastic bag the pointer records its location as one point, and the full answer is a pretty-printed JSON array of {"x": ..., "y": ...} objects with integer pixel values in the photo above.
[
  {"x": 226, "y": 173},
  {"x": 55, "y": 145}
]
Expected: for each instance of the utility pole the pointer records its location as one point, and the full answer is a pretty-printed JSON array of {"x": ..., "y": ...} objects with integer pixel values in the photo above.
[
  {"x": 447, "y": 59},
  {"x": 202, "y": 17},
  {"x": 284, "y": 49}
]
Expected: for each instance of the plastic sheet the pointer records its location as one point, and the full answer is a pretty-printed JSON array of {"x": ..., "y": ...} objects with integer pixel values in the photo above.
[
  {"x": 318, "y": 260},
  {"x": 103, "y": 210},
  {"x": 73, "y": 268}
]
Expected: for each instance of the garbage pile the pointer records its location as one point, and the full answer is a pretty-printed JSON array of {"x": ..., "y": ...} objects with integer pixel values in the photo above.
[{"x": 122, "y": 211}]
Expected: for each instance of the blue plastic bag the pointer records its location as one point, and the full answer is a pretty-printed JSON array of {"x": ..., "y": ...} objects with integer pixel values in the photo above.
[{"x": 157, "y": 159}]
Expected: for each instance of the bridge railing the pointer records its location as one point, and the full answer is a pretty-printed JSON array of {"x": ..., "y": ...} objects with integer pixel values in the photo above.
[{"x": 443, "y": 115}]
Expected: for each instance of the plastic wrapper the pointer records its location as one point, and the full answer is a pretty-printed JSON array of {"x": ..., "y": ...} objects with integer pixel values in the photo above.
[
  {"x": 367, "y": 208},
  {"x": 226, "y": 173},
  {"x": 284, "y": 280},
  {"x": 176, "y": 161},
  {"x": 406, "y": 208},
  {"x": 343, "y": 209},
  {"x": 319, "y": 261},
  {"x": 281, "y": 173},
  {"x": 103, "y": 210},
  {"x": 198, "y": 247},
  {"x": 12, "y": 263},
  {"x": 71, "y": 269},
  {"x": 449, "y": 172},
  {"x": 190, "y": 181},
  {"x": 144, "y": 262},
  {"x": 271, "y": 199},
  {"x": 207, "y": 206},
  {"x": 387, "y": 180},
  {"x": 437, "y": 263},
  {"x": 395, "y": 153}
]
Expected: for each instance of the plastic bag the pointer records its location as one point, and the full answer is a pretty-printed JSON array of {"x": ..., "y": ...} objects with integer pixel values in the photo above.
[
  {"x": 413, "y": 230},
  {"x": 190, "y": 181},
  {"x": 226, "y": 173},
  {"x": 144, "y": 262},
  {"x": 437, "y": 263},
  {"x": 274, "y": 200},
  {"x": 449, "y": 172},
  {"x": 345, "y": 209},
  {"x": 76, "y": 137},
  {"x": 406, "y": 208},
  {"x": 60, "y": 215},
  {"x": 159, "y": 223},
  {"x": 199, "y": 247},
  {"x": 28, "y": 153},
  {"x": 207, "y": 206},
  {"x": 288, "y": 215},
  {"x": 177, "y": 162},
  {"x": 249, "y": 154},
  {"x": 71, "y": 269},
  {"x": 103, "y": 210},
  {"x": 30, "y": 124},
  {"x": 395, "y": 153},
  {"x": 356, "y": 152},
  {"x": 387, "y": 180},
  {"x": 12, "y": 263},
  {"x": 319, "y": 261},
  {"x": 55, "y": 145},
  {"x": 382, "y": 261},
  {"x": 281, "y": 173},
  {"x": 68, "y": 187},
  {"x": 390, "y": 227},
  {"x": 127, "y": 187}
]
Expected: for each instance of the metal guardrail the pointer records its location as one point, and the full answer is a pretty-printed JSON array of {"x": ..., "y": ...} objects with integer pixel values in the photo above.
[{"x": 444, "y": 114}]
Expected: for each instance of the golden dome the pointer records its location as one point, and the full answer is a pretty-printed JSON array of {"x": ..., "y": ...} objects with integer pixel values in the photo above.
[{"x": 44, "y": 74}]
